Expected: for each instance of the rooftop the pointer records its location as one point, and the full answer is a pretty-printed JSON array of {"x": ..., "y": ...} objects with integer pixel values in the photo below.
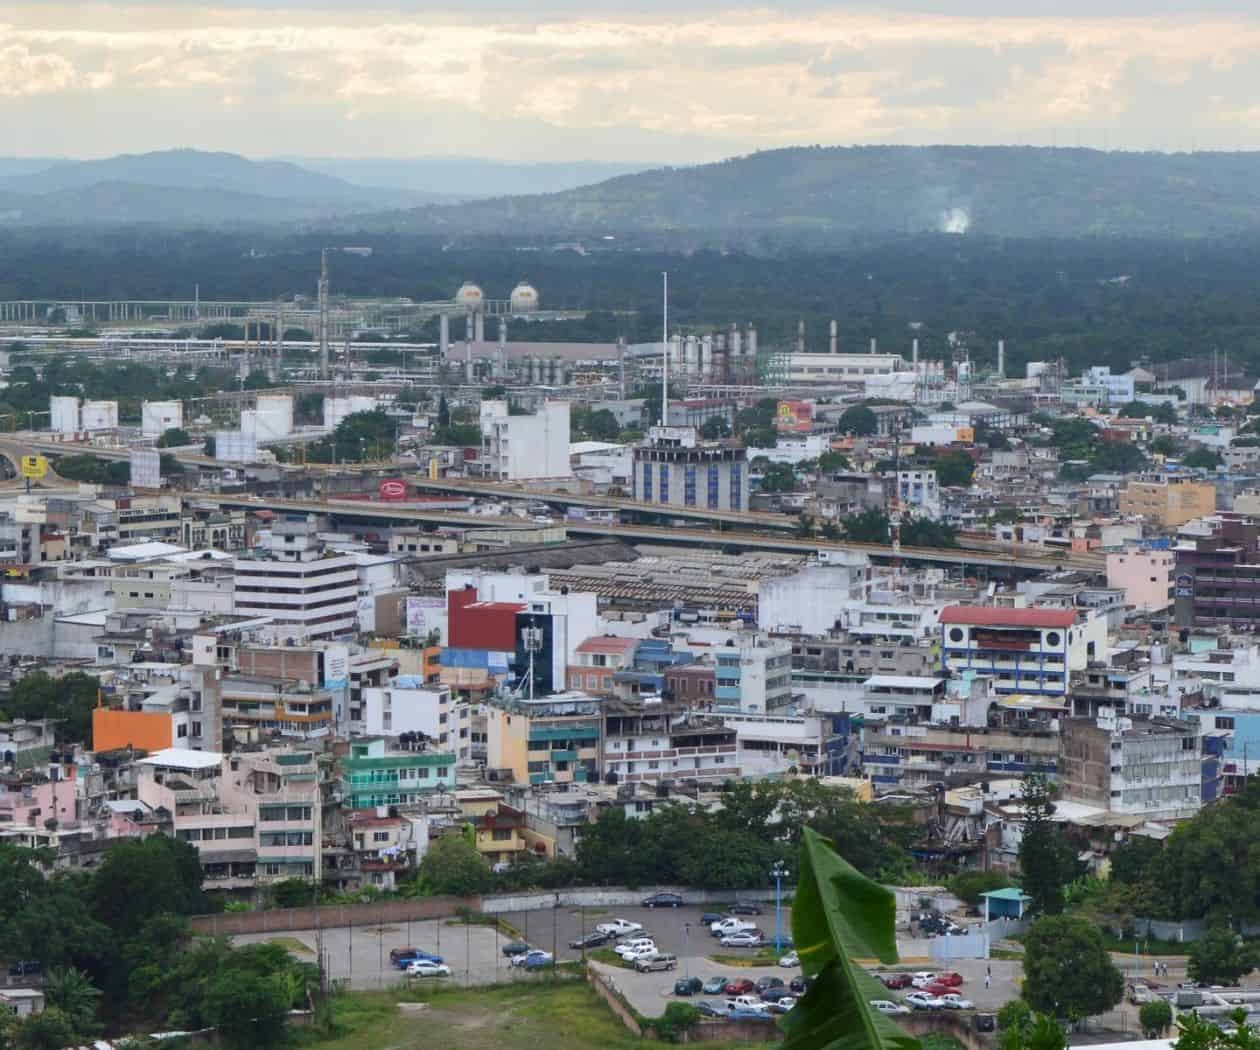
[
  {"x": 182, "y": 758},
  {"x": 607, "y": 645},
  {"x": 993, "y": 616}
]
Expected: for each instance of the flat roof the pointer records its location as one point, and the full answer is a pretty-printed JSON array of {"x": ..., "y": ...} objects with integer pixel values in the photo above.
[
  {"x": 1008, "y": 893},
  {"x": 994, "y": 616},
  {"x": 183, "y": 758},
  {"x": 141, "y": 551},
  {"x": 904, "y": 681}
]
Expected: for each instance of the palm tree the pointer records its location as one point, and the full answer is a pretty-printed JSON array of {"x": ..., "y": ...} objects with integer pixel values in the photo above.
[{"x": 70, "y": 991}]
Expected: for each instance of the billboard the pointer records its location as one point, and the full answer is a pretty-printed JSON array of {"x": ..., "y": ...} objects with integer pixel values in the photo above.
[
  {"x": 146, "y": 468},
  {"x": 422, "y": 614},
  {"x": 794, "y": 417},
  {"x": 34, "y": 467},
  {"x": 392, "y": 489}
]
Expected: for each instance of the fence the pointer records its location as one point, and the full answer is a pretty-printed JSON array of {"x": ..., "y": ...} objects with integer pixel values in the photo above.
[{"x": 377, "y": 913}]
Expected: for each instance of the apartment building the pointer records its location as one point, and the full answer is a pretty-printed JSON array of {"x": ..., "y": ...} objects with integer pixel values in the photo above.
[
  {"x": 1217, "y": 580},
  {"x": 675, "y": 468},
  {"x": 406, "y": 705},
  {"x": 548, "y": 740},
  {"x": 373, "y": 775},
  {"x": 597, "y": 661},
  {"x": 515, "y": 448},
  {"x": 753, "y": 676},
  {"x": 654, "y": 740},
  {"x": 1145, "y": 576},
  {"x": 1168, "y": 499},
  {"x": 299, "y": 586}
]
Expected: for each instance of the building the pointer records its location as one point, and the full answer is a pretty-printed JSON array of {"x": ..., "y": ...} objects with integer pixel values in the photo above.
[
  {"x": 1023, "y": 650},
  {"x": 674, "y": 468},
  {"x": 918, "y": 494},
  {"x": 406, "y": 705},
  {"x": 1217, "y": 580},
  {"x": 516, "y": 448},
  {"x": 840, "y": 368},
  {"x": 1168, "y": 499},
  {"x": 597, "y": 662},
  {"x": 1145, "y": 576},
  {"x": 1151, "y": 768},
  {"x": 26, "y": 745},
  {"x": 300, "y": 586},
  {"x": 811, "y": 601},
  {"x": 654, "y": 741},
  {"x": 753, "y": 677},
  {"x": 372, "y": 775},
  {"x": 548, "y": 740}
]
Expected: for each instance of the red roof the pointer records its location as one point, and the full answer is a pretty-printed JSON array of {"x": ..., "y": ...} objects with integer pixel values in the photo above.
[
  {"x": 993, "y": 616},
  {"x": 499, "y": 606},
  {"x": 607, "y": 645}
]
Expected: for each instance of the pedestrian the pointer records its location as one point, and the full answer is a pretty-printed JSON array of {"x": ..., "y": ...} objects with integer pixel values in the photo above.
[{"x": 988, "y": 978}]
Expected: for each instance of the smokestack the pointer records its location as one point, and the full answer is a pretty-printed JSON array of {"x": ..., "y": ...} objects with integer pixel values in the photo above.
[
  {"x": 479, "y": 324},
  {"x": 323, "y": 314},
  {"x": 468, "y": 364},
  {"x": 914, "y": 353},
  {"x": 470, "y": 333},
  {"x": 752, "y": 341},
  {"x": 733, "y": 341},
  {"x": 800, "y": 336},
  {"x": 444, "y": 337},
  {"x": 1001, "y": 359},
  {"x": 873, "y": 344},
  {"x": 706, "y": 358},
  {"x": 835, "y": 337},
  {"x": 502, "y": 331}
]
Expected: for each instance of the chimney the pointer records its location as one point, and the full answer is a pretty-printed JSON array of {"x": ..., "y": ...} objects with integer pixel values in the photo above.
[
  {"x": 835, "y": 337},
  {"x": 1001, "y": 359},
  {"x": 444, "y": 336},
  {"x": 873, "y": 344},
  {"x": 914, "y": 353}
]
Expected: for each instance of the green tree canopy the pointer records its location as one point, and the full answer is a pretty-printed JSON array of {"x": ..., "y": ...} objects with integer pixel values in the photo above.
[
  {"x": 955, "y": 468},
  {"x": 715, "y": 427},
  {"x": 1046, "y": 858},
  {"x": 1068, "y": 971},
  {"x": 778, "y": 477},
  {"x": 859, "y": 420},
  {"x": 1155, "y": 1017},
  {"x": 1205, "y": 458},
  {"x": 174, "y": 437},
  {"x": 452, "y": 867},
  {"x": 68, "y": 699},
  {"x": 1220, "y": 957},
  {"x": 141, "y": 877}
]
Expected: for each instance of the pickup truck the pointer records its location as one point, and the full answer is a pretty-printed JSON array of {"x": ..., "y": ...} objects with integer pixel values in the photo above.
[
  {"x": 727, "y": 926},
  {"x": 745, "y": 1002}
]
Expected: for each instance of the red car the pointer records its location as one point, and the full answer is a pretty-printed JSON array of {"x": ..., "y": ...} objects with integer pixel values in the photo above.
[
  {"x": 742, "y": 986},
  {"x": 897, "y": 980},
  {"x": 937, "y": 989},
  {"x": 953, "y": 979}
]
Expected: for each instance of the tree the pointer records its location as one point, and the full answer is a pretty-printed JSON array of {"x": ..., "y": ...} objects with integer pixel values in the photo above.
[
  {"x": 293, "y": 893},
  {"x": 139, "y": 878},
  {"x": 1014, "y": 1014},
  {"x": 859, "y": 420},
  {"x": 927, "y": 532},
  {"x": 1205, "y": 458},
  {"x": 778, "y": 477},
  {"x": 1220, "y": 957},
  {"x": 453, "y": 867},
  {"x": 715, "y": 427},
  {"x": 70, "y": 991},
  {"x": 968, "y": 886},
  {"x": 805, "y": 525},
  {"x": 1046, "y": 859},
  {"x": 1068, "y": 971},
  {"x": 360, "y": 436},
  {"x": 868, "y": 526},
  {"x": 249, "y": 1012},
  {"x": 1155, "y": 1017},
  {"x": 1135, "y": 410},
  {"x": 830, "y": 462},
  {"x": 955, "y": 468},
  {"x": 1164, "y": 445},
  {"x": 1166, "y": 413},
  {"x": 48, "y": 1030},
  {"x": 1131, "y": 861},
  {"x": 174, "y": 437},
  {"x": 444, "y": 412},
  {"x": 69, "y": 700},
  {"x": 602, "y": 425},
  {"x": 1200, "y": 1033}
]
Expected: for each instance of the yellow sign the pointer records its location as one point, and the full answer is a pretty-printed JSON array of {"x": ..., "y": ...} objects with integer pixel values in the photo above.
[{"x": 34, "y": 467}]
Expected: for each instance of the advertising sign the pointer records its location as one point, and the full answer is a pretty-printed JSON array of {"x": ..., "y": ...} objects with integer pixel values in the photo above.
[
  {"x": 392, "y": 489},
  {"x": 421, "y": 614},
  {"x": 34, "y": 467}
]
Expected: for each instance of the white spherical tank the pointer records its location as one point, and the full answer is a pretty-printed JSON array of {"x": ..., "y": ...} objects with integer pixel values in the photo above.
[
  {"x": 524, "y": 298},
  {"x": 470, "y": 297}
]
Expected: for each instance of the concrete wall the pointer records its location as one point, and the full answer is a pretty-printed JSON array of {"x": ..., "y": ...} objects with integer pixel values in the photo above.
[
  {"x": 233, "y": 923},
  {"x": 613, "y": 896}
]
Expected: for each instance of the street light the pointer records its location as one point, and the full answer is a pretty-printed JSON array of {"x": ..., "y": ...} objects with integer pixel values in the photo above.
[{"x": 779, "y": 872}]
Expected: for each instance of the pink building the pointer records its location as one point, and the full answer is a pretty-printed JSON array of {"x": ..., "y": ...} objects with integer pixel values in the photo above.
[{"x": 1145, "y": 576}]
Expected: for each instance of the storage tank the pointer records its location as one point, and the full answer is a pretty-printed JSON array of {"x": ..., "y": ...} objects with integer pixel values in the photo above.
[
  {"x": 277, "y": 412},
  {"x": 63, "y": 414},
  {"x": 337, "y": 408},
  {"x": 235, "y": 446},
  {"x": 100, "y": 415},
  {"x": 146, "y": 468},
  {"x": 157, "y": 417}
]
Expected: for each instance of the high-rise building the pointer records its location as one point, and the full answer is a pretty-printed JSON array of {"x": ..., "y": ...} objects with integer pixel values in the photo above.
[{"x": 674, "y": 468}]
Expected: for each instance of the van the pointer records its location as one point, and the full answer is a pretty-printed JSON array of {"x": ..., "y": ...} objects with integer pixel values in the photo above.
[{"x": 659, "y": 961}]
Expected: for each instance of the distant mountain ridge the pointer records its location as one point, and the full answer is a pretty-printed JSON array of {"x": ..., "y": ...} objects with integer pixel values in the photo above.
[{"x": 811, "y": 193}]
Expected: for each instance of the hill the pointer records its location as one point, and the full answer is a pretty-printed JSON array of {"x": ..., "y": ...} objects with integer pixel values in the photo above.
[{"x": 807, "y": 194}]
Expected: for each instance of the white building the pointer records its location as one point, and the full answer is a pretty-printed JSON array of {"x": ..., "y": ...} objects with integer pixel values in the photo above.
[
  {"x": 337, "y": 408},
  {"x": 157, "y": 417},
  {"x": 840, "y": 368},
  {"x": 299, "y": 584},
  {"x": 100, "y": 415},
  {"x": 406, "y": 705},
  {"x": 812, "y": 600},
  {"x": 63, "y": 414},
  {"x": 753, "y": 677},
  {"x": 918, "y": 493},
  {"x": 522, "y": 447}
]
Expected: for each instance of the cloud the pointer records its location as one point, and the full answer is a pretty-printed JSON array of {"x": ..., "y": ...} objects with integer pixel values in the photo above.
[{"x": 699, "y": 81}]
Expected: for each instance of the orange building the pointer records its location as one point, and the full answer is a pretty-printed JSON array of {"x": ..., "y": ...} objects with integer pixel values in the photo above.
[{"x": 113, "y": 728}]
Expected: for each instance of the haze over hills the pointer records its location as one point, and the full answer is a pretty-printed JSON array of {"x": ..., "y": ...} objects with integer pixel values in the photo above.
[{"x": 807, "y": 194}]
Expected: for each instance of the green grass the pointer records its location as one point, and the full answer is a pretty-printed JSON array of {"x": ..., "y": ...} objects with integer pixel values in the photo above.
[
  {"x": 1148, "y": 945},
  {"x": 560, "y": 1015},
  {"x": 293, "y": 945},
  {"x": 761, "y": 957},
  {"x": 1005, "y": 953}
]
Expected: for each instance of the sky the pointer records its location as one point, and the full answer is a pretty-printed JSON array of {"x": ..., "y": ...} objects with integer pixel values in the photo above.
[{"x": 659, "y": 81}]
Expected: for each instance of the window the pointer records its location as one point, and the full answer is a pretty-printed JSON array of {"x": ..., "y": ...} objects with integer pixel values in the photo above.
[
  {"x": 501, "y": 835},
  {"x": 689, "y": 486},
  {"x": 181, "y": 731},
  {"x": 664, "y": 479},
  {"x": 380, "y": 836},
  {"x": 956, "y": 634},
  {"x": 714, "y": 493},
  {"x": 1224, "y": 723}
]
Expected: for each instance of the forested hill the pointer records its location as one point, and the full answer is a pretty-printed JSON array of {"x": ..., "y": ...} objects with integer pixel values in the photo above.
[{"x": 809, "y": 194}]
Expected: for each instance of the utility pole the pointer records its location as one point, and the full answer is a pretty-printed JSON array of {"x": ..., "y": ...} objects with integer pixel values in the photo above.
[
  {"x": 665, "y": 348},
  {"x": 323, "y": 314}
]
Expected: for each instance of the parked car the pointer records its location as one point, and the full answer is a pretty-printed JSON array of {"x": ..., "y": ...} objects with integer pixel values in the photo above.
[
  {"x": 769, "y": 982},
  {"x": 955, "y": 980},
  {"x": 790, "y": 959},
  {"x": 663, "y": 900},
  {"x": 747, "y": 939},
  {"x": 635, "y": 954},
  {"x": 897, "y": 981},
  {"x": 715, "y": 986},
  {"x": 954, "y": 1001},
  {"x": 745, "y": 1002},
  {"x": 534, "y": 954},
  {"x": 750, "y": 1013},
  {"x": 923, "y": 1001},
  {"x": 619, "y": 927},
  {"x": 688, "y": 986},
  {"x": 800, "y": 985},
  {"x": 395, "y": 954},
  {"x": 731, "y": 924},
  {"x": 635, "y": 945},
  {"x": 591, "y": 940},
  {"x": 515, "y": 948},
  {"x": 740, "y": 986},
  {"x": 744, "y": 908},
  {"x": 887, "y": 1006},
  {"x": 424, "y": 968},
  {"x": 935, "y": 988},
  {"x": 709, "y": 1009},
  {"x": 416, "y": 955},
  {"x": 710, "y": 917},
  {"x": 773, "y": 995},
  {"x": 656, "y": 961},
  {"x": 539, "y": 961},
  {"x": 781, "y": 1005}
]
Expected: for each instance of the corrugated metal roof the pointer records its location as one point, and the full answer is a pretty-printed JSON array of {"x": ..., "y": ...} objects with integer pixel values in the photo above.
[{"x": 993, "y": 616}]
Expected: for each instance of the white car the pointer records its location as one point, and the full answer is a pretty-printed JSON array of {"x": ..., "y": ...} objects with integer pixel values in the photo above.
[
  {"x": 922, "y": 980},
  {"x": 624, "y": 950},
  {"x": 619, "y": 927},
  {"x": 425, "y": 968},
  {"x": 887, "y": 1006},
  {"x": 790, "y": 959},
  {"x": 923, "y": 1001},
  {"x": 731, "y": 924},
  {"x": 747, "y": 939},
  {"x": 534, "y": 955},
  {"x": 954, "y": 1001},
  {"x": 648, "y": 951}
]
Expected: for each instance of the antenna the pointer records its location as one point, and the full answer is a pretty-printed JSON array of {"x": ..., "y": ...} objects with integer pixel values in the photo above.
[
  {"x": 665, "y": 348},
  {"x": 323, "y": 313}
]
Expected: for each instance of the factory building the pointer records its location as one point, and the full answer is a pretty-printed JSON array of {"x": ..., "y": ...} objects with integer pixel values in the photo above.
[{"x": 674, "y": 468}]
